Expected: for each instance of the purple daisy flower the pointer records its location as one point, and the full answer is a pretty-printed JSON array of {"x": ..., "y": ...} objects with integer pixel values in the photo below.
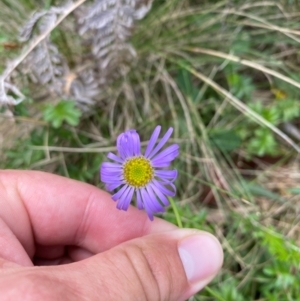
[{"x": 142, "y": 175}]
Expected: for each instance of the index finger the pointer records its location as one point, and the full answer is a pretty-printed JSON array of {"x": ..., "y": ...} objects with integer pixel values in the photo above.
[{"x": 46, "y": 209}]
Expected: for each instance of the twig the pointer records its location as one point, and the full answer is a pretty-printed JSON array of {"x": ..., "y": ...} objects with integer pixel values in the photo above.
[
  {"x": 247, "y": 63},
  {"x": 74, "y": 149}
]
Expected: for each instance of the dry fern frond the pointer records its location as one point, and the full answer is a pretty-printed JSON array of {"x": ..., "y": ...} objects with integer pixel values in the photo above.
[
  {"x": 27, "y": 30},
  {"x": 83, "y": 89},
  {"x": 111, "y": 22},
  {"x": 42, "y": 21},
  {"x": 45, "y": 64}
]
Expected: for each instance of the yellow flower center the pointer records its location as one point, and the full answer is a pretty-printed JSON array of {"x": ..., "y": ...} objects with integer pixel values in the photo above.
[{"x": 138, "y": 172}]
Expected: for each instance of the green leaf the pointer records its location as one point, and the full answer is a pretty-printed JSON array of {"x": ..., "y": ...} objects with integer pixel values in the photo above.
[
  {"x": 225, "y": 140},
  {"x": 242, "y": 43},
  {"x": 289, "y": 109},
  {"x": 64, "y": 111},
  {"x": 241, "y": 86},
  {"x": 186, "y": 85},
  {"x": 271, "y": 114},
  {"x": 263, "y": 142},
  {"x": 258, "y": 190},
  {"x": 294, "y": 190}
]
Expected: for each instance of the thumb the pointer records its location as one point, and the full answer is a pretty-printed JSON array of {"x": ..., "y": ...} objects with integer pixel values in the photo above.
[{"x": 169, "y": 266}]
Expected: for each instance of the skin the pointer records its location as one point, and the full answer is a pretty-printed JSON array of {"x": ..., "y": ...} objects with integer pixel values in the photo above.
[{"x": 64, "y": 240}]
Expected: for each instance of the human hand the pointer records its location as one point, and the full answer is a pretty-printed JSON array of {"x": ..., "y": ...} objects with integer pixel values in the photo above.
[{"x": 49, "y": 221}]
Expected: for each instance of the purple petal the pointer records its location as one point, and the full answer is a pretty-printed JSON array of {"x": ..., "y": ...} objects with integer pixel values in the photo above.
[
  {"x": 117, "y": 195},
  {"x": 147, "y": 203},
  {"x": 111, "y": 172},
  {"x": 113, "y": 186},
  {"x": 128, "y": 144},
  {"x": 107, "y": 179},
  {"x": 152, "y": 140},
  {"x": 166, "y": 182},
  {"x": 136, "y": 143},
  {"x": 167, "y": 174},
  {"x": 161, "y": 196},
  {"x": 114, "y": 158},
  {"x": 125, "y": 199},
  {"x": 161, "y": 163},
  {"x": 155, "y": 203},
  {"x": 147, "y": 200},
  {"x": 161, "y": 143},
  {"x": 120, "y": 146},
  {"x": 150, "y": 201},
  {"x": 149, "y": 212},
  {"x": 169, "y": 154},
  {"x": 111, "y": 165},
  {"x": 139, "y": 200},
  {"x": 165, "y": 190}
]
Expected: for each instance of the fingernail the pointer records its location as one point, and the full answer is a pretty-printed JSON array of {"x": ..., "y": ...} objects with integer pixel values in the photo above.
[{"x": 201, "y": 256}]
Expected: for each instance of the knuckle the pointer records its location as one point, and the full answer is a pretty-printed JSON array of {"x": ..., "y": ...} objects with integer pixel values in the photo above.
[
  {"x": 144, "y": 272},
  {"x": 152, "y": 270}
]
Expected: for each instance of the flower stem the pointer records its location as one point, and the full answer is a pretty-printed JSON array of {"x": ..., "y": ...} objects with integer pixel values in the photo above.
[{"x": 175, "y": 210}]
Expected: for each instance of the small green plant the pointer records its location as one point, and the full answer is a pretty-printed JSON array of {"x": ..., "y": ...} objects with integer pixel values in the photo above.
[
  {"x": 65, "y": 110},
  {"x": 280, "y": 275},
  {"x": 259, "y": 140},
  {"x": 227, "y": 292}
]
